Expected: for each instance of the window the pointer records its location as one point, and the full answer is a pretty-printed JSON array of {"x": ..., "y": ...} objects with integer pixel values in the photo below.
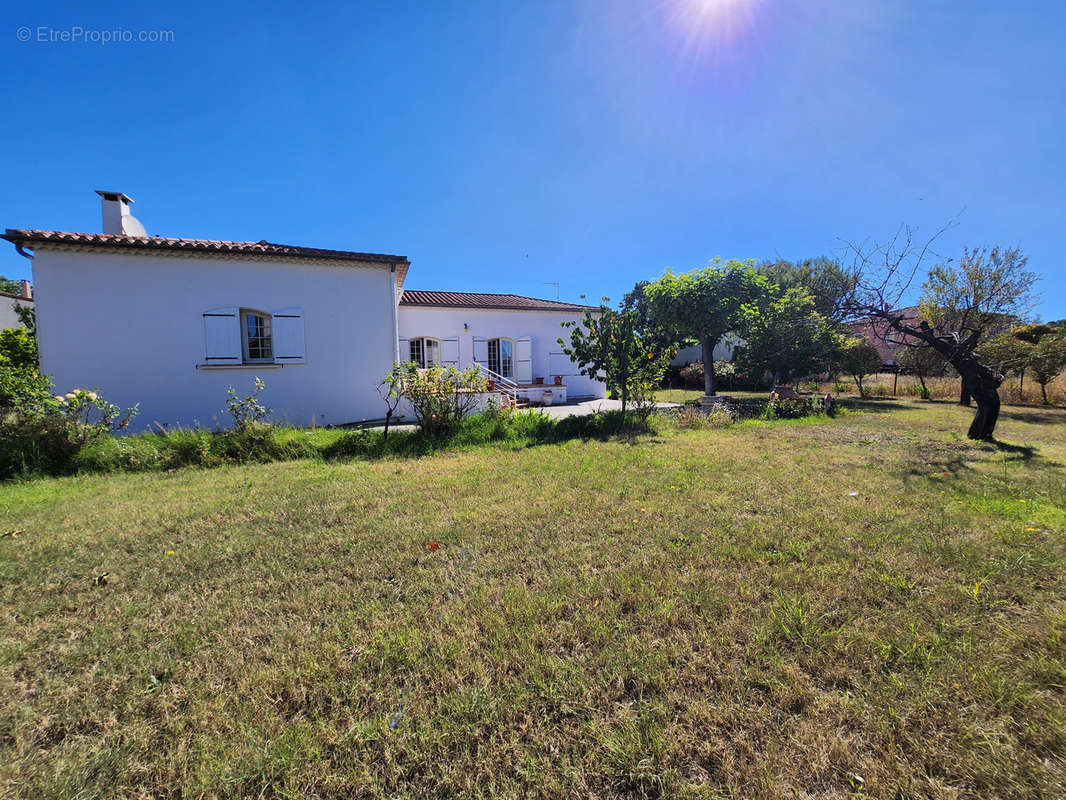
[
  {"x": 235, "y": 336},
  {"x": 501, "y": 357},
  {"x": 425, "y": 352},
  {"x": 258, "y": 340}
]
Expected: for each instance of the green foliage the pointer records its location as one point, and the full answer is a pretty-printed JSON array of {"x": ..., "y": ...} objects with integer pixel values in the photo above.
[
  {"x": 1048, "y": 360},
  {"x": 858, "y": 358},
  {"x": 705, "y": 304},
  {"x": 623, "y": 349},
  {"x": 784, "y": 335},
  {"x": 984, "y": 292},
  {"x": 792, "y": 407},
  {"x": 44, "y": 434},
  {"x": 246, "y": 411},
  {"x": 10, "y": 285},
  {"x": 825, "y": 280},
  {"x": 439, "y": 397},
  {"x": 18, "y": 349},
  {"x": 923, "y": 362}
]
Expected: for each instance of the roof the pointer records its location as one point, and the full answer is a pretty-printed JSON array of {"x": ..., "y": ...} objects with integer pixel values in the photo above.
[
  {"x": 16, "y": 297},
  {"x": 881, "y": 337},
  {"x": 512, "y": 302},
  {"x": 262, "y": 248}
]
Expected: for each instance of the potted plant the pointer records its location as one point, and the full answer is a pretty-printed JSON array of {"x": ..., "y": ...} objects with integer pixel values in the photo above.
[
  {"x": 548, "y": 397},
  {"x": 558, "y": 380},
  {"x": 492, "y": 385},
  {"x": 539, "y": 381}
]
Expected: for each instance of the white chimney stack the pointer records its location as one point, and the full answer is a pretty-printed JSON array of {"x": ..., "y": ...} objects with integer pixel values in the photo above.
[{"x": 115, "y": 209}]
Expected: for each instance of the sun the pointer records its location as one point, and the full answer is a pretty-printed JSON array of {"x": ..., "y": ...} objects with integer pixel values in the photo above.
[{"x": 712, "y": 23}]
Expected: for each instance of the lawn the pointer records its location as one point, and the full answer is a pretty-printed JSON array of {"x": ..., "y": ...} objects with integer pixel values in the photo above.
[{"x": 866, "y": 605}]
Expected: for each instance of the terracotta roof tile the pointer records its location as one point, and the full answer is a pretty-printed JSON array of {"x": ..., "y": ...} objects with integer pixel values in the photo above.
[
  {"x": 264, "y": 248},
  {"x": 514, "y": 302}
]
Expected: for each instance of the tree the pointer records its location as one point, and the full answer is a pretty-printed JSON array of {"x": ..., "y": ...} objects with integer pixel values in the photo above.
[
  {"x": 391, "y": 391},
  {"x": 985, "y": 293},
  {"x": 704, "y": 305},
  {"x": 825, "y": 280},
  {"x": 1008, "y": 354},
  {"x": 858, "y": 358},
  {"x": 961, "y": 304},
  {"x": 1047, "y": 360},
  {"x": 622, "y": 348},
  {"x": 923, "y": 362},
  {"x": 10, "y": 285},
  {"x": 784, "y": 336}
]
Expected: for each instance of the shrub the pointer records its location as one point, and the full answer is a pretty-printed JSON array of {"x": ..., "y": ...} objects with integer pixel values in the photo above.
[
  {"x": 246, "y": 411},
  {"x": 440, "y": 397},
  {"x": 692, "y": 375},
  {"x": 45, "y": 434},
  {"x": 792, "y": 407}
]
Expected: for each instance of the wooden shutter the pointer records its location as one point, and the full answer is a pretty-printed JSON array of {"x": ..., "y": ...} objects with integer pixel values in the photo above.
[
  {"x": 449, "y": 352},
  {"x": 523, "y": 357},
  {"x": 404, "y": 350},
  {"x": 222, "y": 336},
  {"x": 481, "y": 351},
  {"x": 560, "y": 364},
  {"x": 288, "y": 336}
]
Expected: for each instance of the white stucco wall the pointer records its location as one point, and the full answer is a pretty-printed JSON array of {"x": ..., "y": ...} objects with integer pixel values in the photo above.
[
  {"x": 131, "y": 326},
  {"x": 8, "y": 317},
  {"x": 543, "y": 327}
]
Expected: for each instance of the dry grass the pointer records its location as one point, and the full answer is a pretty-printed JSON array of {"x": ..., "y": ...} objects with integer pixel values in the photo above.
[{"x": 868, "y": 605}]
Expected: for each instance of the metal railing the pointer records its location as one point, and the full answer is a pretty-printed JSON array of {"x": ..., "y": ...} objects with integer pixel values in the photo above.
[{"x": 504, "y": 386}]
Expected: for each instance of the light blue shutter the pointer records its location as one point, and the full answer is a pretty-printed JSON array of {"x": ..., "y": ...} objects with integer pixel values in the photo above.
[
  {"x": 404, "y": 350},
  {"x": 481, "y": 351},
  {"x": 222, "y": 336},
  {"x": 449, "y": 352},
  {"x": 523, "y": 356},
  {"x": 288, "y": 333}
]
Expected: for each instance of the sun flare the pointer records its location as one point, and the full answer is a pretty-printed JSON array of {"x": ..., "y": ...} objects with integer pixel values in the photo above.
[{"x": 711, "y": 23}]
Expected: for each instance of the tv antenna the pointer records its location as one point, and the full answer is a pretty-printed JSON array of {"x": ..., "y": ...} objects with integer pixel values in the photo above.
[{"x": 556, "y": 285}]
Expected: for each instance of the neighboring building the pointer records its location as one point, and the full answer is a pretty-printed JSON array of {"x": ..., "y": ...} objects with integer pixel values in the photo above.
[
  {"x": 9, "y": 302},
  {"x": 880, "y": 335},
  {"x": 171, "y": 323}
]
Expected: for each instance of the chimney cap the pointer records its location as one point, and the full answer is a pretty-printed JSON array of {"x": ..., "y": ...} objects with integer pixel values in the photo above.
[{"x": 115, "y": 196}]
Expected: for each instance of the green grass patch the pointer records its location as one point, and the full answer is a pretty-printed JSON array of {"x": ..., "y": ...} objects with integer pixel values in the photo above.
[{"x": 761, "y": 610}]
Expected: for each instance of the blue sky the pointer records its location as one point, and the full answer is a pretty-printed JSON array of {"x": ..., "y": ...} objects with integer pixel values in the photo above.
[{"x": 502, "y": 146}]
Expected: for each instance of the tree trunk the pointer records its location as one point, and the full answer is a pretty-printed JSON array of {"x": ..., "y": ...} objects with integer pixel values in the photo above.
[
  {"x": 921, "y": 380},
  {"x": 964, "y": 394},
  {"x": 985, "y": 391},
  {"x": 1021, "y": 386},
  {"x": 708, "y": 366},
  {"x": 1043, "y": 392}
]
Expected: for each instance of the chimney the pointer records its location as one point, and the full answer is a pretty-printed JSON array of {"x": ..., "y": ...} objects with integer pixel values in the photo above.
[
  {"x": 115, "y": 209},
  {"x": 27, "y": 291}
]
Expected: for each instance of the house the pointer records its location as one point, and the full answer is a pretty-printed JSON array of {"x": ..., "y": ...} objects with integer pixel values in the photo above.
[
  {"x": 9, "y": 317},
  {"x": 510, "y": 336},
  {"x": 883, "y": 338},
  {"x": 170, "y": 323}
]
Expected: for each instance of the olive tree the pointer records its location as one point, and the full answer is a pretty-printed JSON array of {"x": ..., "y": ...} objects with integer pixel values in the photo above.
[{"x": 961, "y": 304}]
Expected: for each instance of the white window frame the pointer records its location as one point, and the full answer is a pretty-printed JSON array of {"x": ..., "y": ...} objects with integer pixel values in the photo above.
[
  {"x": 498, "y": 342},
  {"x": 421, "y": 342},
  {"x": 265, "y": 319}
]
